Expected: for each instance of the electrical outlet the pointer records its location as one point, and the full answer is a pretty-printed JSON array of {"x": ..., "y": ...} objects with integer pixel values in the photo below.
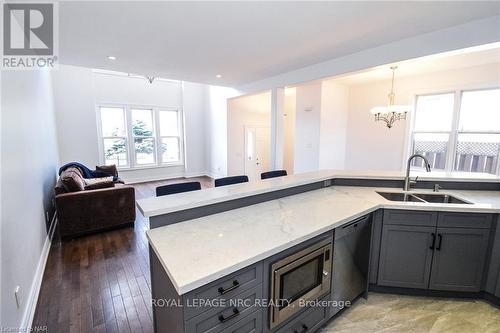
[
  {"x": 327, "y": 183},
  {"x": 17, "y": 295}
]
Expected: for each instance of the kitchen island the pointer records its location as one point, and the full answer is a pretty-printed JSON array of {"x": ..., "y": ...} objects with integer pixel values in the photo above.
[{"x": 203, "y": 251}]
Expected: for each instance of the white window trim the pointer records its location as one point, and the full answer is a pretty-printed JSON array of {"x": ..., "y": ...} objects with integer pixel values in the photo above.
[
  {"x": 454, "y": 132},
  {"x": 132, "y": 165}
]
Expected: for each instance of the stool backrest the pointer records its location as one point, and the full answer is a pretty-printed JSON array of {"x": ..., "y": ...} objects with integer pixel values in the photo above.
[
  {"x": 177, "y": 188},
  {"x": 272, "y": 174},
  {"x": 230, "y": 180}
]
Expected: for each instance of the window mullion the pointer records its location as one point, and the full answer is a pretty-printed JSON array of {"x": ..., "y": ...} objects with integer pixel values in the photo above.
[
  {"x": 452, "y": 143},
  {"x": 130, "y": 136},
  {"x": 156, "y": 115}
]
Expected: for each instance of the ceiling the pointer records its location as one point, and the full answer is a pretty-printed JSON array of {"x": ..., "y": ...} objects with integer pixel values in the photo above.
[
  {"x": 242, "y": 41},
  {"x": 489, "y": 54}
]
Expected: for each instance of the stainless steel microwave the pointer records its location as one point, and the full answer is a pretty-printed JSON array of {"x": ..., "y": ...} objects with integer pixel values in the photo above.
[{"x": 305, "y": 275}]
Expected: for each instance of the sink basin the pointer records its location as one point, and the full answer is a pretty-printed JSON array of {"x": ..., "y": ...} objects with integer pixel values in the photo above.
[
  {"x": 440, "y": 198},
  {"x": 391, "y": 196},
  {"x": 422, "y": 197}
]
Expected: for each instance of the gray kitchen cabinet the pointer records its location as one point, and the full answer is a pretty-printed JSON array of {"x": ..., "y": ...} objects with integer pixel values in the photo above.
[
  {"x": 497, "y": 291},
  {"x": 459, "y": 259},
  {"x": 439, "y": 251},
  {"x": 406, "y": 256}
]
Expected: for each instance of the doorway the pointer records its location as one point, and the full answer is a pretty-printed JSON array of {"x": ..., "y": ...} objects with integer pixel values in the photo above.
[
  {"x": 249, "y": 135},
  {"x": 256, "y": 151}
]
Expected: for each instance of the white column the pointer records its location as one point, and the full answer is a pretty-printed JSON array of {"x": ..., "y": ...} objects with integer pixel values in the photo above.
[{"x": 277, "y": 129}]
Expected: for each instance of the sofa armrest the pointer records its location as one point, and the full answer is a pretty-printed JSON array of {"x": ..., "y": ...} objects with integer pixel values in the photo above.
[{"x": 91, "y": 210}]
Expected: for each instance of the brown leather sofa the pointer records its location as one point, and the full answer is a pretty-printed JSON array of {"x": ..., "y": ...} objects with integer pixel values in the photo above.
[{"x": 84, "y": 208}]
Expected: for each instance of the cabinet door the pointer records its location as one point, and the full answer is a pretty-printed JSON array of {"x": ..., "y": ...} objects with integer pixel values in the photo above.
[
  {"x": 406, "y": 256},
  {"x": 459, "y": 259},
  {"x": 497, "y": 291}
]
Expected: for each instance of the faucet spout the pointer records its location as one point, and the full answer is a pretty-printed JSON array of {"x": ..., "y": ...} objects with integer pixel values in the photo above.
[{"x": 408, "y": 181}]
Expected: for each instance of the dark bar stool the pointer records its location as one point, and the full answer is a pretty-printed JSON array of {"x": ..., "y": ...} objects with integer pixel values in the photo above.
[
  {"x": 272, "y": 174},
  {"x": 177, "y": 188},
  {"x": 230, "y": 180}
]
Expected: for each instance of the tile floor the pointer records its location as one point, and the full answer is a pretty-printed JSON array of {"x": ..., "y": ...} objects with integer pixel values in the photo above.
[{"x": 409, "y": 314}]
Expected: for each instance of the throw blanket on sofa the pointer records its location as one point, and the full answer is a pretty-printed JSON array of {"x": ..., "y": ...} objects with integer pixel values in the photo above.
[{"x": 86, "y": 172}]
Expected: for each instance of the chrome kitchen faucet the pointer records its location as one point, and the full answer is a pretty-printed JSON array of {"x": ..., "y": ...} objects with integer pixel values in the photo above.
[{"x": 408, "y": 181}]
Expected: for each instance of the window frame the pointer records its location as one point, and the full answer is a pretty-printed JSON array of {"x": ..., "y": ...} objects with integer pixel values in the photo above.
[
  {"x": 129, "y": 139},
  {"x": 180, "y": 135},
  {"x": 451, "y": 153}
]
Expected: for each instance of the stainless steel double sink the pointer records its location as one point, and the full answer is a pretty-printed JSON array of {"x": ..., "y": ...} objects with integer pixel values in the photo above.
[{"x": 422, "y": 197}]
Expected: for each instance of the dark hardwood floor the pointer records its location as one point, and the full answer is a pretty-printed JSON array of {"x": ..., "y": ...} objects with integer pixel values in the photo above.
[{"x": 101, "y": 283}]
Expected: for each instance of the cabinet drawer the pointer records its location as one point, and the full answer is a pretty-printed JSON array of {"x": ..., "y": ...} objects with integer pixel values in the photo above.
[
  {"x": 464, "y": 220},
  {"x": 250, "y": 324},
  {"x": 228, "y": 313},
  {"x": 308, "y": 321},
  {"x": 410, "y": 217},
  {"x": 223, "y": 289}
]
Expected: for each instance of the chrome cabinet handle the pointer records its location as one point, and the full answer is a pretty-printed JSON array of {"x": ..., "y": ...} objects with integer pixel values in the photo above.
[
  {"x": 223, "y": 291},
  {"x": 440, "y": 237},
  {"x": 223, "y": 319},
  {"x": 433, "y": 241}
]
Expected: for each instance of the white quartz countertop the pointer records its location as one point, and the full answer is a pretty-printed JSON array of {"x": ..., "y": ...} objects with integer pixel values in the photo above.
[
  {"x": 202, "y": 250},
  {"x": 167, "y": 204}
]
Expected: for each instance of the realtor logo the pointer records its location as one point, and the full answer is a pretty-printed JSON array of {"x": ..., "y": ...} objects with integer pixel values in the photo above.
[{"x": 28, "y": 35}]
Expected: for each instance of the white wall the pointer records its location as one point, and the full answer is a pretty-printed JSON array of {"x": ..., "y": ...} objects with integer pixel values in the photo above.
[
  {"x": 372, "y": 145},
  {"x": 307, "y": 129},
  {"x": 253, "y": 110},
  {"x": 333, "y": 128},
  {"x": 216, "y": 135},
  {"x": 194, "y": 98},
  {"x": 77, "y": 91},
  {"x": 290, "y": 104},
  {"x": 28, "y": 174},
  {"x": 74, "y": 102}
]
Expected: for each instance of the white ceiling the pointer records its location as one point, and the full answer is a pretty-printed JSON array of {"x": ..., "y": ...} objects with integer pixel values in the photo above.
[
  {"x": 431, "y": 64},
  {"x": 243, "y": 41}
]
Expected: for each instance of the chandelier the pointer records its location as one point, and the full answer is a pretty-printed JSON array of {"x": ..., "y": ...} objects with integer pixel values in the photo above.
[{"x": 390, "y": 113}]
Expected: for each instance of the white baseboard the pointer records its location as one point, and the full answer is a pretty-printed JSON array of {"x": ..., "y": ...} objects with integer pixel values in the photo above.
[
  {"x": 214, "y": 175},
  {"x": 195, "y": 174},
  {"x": 29, "y": 311}
]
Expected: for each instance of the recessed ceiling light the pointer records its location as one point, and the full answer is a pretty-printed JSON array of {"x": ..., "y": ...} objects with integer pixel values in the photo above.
[
  {"x": 111, "y": 57},
  {"x": 218, "y": 76}
]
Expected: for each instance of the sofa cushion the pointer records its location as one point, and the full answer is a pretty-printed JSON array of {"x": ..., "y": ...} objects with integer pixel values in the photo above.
[
  {"x": 99, "y": 185},
  {"x": 72, "y": 180},
  {"x": 109, "y": 169},
  {"x": 93, "y": 181},
  {"x": 59, "y": 187}
]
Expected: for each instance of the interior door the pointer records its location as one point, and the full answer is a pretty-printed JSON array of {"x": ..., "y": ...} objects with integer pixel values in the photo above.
[{"x": 257, "y": 141}]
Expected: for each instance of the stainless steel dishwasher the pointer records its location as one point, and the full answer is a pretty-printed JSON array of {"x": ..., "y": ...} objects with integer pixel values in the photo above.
[{"x": 351, "y": 259}]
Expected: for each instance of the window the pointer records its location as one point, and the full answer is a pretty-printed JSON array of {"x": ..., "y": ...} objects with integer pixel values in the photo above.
[
  {"x": 169, "y": 136},
  {"x": 144, "y": 140},
  {"x": 458, "y": 131},
  {"x": 114, "y": 136},
  {"x": 134, "y": 137}
]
